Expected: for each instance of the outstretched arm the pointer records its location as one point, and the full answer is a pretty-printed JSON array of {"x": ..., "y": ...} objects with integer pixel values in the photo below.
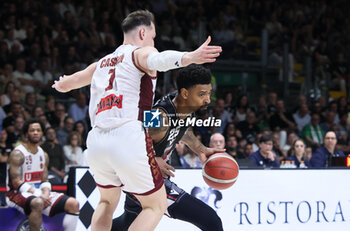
[
  {"x": 150, "y": 60},
  {"x": 77, "y": 80},
  {"x": 197, "y": 147}
]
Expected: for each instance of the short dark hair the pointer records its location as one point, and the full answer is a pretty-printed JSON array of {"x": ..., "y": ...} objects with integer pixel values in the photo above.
[
  {"x": 137, "y": 18},
  {"x": 192, "y": 75},
  {"x": 266, "y": 137},
  {"x": 48, "y": 129},
  {"x": 32, "y": 121},
  {"x": 328, "y": 132}
]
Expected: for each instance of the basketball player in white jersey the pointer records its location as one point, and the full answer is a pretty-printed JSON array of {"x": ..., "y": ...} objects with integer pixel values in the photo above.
[
  {"x": 29, "y": 189},
  {"x": 120, "y": 151}
]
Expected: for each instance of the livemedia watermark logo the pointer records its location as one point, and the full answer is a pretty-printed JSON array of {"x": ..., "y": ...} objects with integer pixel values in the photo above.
[{"x": 153, "y": 119}]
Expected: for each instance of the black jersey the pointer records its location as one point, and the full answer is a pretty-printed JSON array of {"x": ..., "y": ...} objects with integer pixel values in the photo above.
[{"x": 174, "y": 134}]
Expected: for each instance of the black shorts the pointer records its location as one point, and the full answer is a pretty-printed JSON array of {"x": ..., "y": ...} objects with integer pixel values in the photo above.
[{"x": 182, "y": 206}]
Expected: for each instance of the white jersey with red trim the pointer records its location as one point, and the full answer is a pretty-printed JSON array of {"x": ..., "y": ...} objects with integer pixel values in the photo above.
[
  {"x": 33, "y": 166},
  {"x": 119, "y": 90}
]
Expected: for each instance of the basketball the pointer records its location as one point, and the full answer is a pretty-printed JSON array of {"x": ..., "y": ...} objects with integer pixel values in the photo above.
[{"x": 220, "y": 171}]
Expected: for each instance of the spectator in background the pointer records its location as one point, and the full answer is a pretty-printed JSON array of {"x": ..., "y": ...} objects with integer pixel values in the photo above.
[
  {"x": 291, "y": 137},
  {"x": 342, "y": 106},
  {"x": 5, "y": 98},
  {"x": 323, "y": 103},
  {"x": 262, "y": 113},
  {"x": 241, "y": 144},
  {"x": 5, "y": 149},
  {"x": 30, "y": 103},
  {"x": 80, "y": 128},
  {"x": 281, "y": 120},
  {"x": 343, "y": 134},
  {"x": 277, "y": 149},
  {"x": 297, "y": 154},
  {"x": 272, "y": 104},
  {"x": 228, "y": 103},
  {"x": 302, "y": 117},
  {"x": 64, "y": 132},
  {"x": 56, "y": 156},
  {"x": 301, "y": 100},
  {"x": 12, "y": 41},
  {"x": 231, "y": 130},
  {"x": 308, "y": 153},
  {"x": 249, "y": 127},
  {"x": 16, "y": 135},
  {"x": 248, "y": 150},
  {"x": 343, "y": 126},
  {"x": 313, "y": 133},
  {"x": 232, "y": 148},
  {"x": 264, "y": 156},
  {"x": 316, "y": 108},
  {"x": 220, "y": 113},
  {"x": 322, "y": 156},
  {"x": 255, "y": 145},
  {"x": 14, "y": 122},
  {"x": 5, "y": 76},
  {"x": 340, "y": 72},
  {"x": 65, "y": 6},
  {"x": 78, "y": 109},
  {"x": 72, "y": 151},
  {"x": 217, "y": 141},
  {"x": 43, "y": 76},
  {"x": 241, "y": 109},
  {"x": 333, "y": 107},
  {"x": 329, "y": 121},
  {"x": 50, "y": 108},
  {"x": 57, "y": 121},
  {"x": 25, "y": 79}
]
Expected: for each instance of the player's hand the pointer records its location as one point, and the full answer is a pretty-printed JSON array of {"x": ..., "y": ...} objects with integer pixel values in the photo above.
[
  {"x": 208, "y": 152},
  {"x": 204, "y": 54},
  {"x": 57, "y": 85},
  {"x": 46, "y": 200},
  {"x": 165, "y": 168}
]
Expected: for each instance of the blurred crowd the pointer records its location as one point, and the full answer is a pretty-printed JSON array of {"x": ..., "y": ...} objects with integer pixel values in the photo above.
[
  {"x": 271, "y": 135},
  {"x": 41, "y": 40}
]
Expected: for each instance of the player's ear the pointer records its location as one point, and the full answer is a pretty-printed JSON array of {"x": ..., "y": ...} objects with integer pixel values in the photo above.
[
  {"x": 184, "y": 93},
  {"x": 142, "y": 33}
]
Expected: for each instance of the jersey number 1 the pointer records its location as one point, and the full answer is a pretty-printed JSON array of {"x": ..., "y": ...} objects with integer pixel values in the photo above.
[{"x": 111, "y": 79}]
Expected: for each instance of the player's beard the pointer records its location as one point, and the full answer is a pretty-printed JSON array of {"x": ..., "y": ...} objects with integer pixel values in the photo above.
[
  {"x": 33, "y": 141},
  {"x": 202, "y": 110},
  {"x": 203, "y": 107}
]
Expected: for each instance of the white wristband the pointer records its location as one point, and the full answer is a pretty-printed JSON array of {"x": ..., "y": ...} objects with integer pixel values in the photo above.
[
  {"x": 165, "y": 60},
  {"x": 24, "y": 187},
  {"x": 45, "y": 185}
]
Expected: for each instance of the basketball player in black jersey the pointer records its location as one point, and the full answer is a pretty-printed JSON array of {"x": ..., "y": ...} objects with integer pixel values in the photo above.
[{"x": 194, "y": 90}]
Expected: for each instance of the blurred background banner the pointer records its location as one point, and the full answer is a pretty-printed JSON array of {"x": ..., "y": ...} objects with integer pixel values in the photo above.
[{"x": 260, "y": 200}]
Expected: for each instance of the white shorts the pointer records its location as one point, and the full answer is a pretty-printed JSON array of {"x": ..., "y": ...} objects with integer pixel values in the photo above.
[
  {"x": 19, "y": 200},
  {"x": 125, "y": 157}
]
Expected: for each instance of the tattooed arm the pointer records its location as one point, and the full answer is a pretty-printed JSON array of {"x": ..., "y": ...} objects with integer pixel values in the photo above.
[
  {"x": 157, "y": 135},
  {"x": 197, "y": 147},
  {"x": 16, "y": 160}
]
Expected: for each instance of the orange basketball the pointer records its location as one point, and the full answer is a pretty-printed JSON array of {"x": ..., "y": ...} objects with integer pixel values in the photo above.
[{"x": 220, "y": 171}]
